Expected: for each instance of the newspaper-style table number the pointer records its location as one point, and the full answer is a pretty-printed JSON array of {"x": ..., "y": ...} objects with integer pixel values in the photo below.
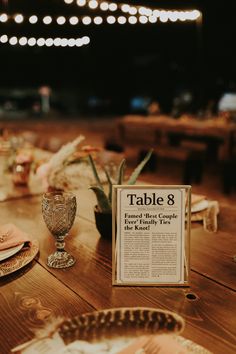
[{"x": 151, "y": 235}]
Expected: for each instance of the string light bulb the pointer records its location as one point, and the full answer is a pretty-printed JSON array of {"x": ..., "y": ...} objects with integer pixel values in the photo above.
[
  {"x": 57, "y": 42},
  {"x": 163, "y": 16},
  {"x": 98, "y": 20},
  {"x": 73, "y": 20},
  {"x": 23, "y": 41},
  {"x": 18, "y": 18},
  {"x": 32, "y": 41},
  {"x": 173, "y": 16},
  {"x": 79, "y": 42},
  {"x": 143, "y": 19},
  {"x": 93, "y": 4},
  {"x": 86, "y": 40},
  {"x": 133, "y": 10},
  {"x": 81, "y": 2},
  {"x": 71, "y": 42},
  {"x": 132, "y": 20},
  {"x": 122, "y": 20},
  {"x": 33, "y": 19},
  {"x": 13, "y": 41},
  {"x": 113, "y": 6},
  {"x": 125, "y": 8},
  {"x": 152, "y": 19},
  {"x": 49, "y": 42},
  {"x": 61, "y": 20},
  {"x": 4, "y": 38},
  {"x": 40, "y": 42},
  {"x": 111, "y": 20},
  {"x": 3, "y": 18},
  {"x": 86, "y": 20},
  {"x": 104, "y": 6},
  {"x": 47, "y": 20}
]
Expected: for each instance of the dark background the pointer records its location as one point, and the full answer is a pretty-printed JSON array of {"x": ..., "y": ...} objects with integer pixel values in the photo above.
[{"x": 121, "y": 61}]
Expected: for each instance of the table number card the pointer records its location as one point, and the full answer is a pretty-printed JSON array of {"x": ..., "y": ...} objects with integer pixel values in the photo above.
[{"x": 151, "y": 231}]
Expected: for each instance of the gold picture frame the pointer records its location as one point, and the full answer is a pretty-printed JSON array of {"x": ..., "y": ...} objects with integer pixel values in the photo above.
[{"x": 147, "y": 233}]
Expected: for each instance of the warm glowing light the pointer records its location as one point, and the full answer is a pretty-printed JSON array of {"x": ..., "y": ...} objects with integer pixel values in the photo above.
[
  {"x": 195, "y": 14},
  {"x": 41, "y": 42},
  {"x": 148, "y": 12},
  {"x": 61, "y": 20},
  {"x": 79, "y": 42},
  {"x": 23, "y": 41},
  {"x": 163, "y": 16},
  {"x": 64, "y": 42},
  {"x": 33, "y": 19},
  {"x": 86, "y": 40},
  {"x": 4, "y": 38},
  {"x": 86, "y": 20},
  {"x": 68, "y": 1},
  {"x": 71, "y": 42},
  {"x": 18, "y": 18},
  {"x": 3, "y": 18},
  {"x": 111, "y": 20},
  {"x": 152, "y": 19},
  {"x": 13, "y": 40},
  {"x": 73, "y": 20},
  {"x": 173, "y": 16},
  {"x": 122, "y": 20},
  {"x": 132, "y": 20},
  {"x": 57, "y": 42},
  {"x": 93, "y": 4},
  {"x": 156, "y": 13},
  {"x": 81, "y": 2},
  {"x": 143, "y": 19},
  {"x": 142, "y": 10},
  {"x": 98, "y": 20},
  {"x": 125, "y": 8},
  {"x": 133, "y": 10},
  {"x": 47, "y": 20},
  {"x": 182, "y": 16},
  {"x": 31, "y": 42},
  {"x": 49, "y": 42},
  {"x": 145, "y": 11},
  {"x": 104, "y": 6},
  {"x": 112, "y": 6}
]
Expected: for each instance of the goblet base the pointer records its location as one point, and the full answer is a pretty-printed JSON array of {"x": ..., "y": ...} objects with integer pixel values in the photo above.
[{"x": 60, "y": 260}]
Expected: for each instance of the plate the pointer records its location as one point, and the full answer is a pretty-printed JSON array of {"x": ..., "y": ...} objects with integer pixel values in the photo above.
[
  {"x": 120, "y": 322},
  {"x": 110, "y": 331},
  {"x": 4, "y": 254},
  {"x": 20, "y": 259},
  {"x": 202, "y": 205}
]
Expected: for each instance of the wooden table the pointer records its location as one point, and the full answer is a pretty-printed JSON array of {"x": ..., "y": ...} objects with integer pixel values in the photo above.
[
  {"x": 35, "y": 294},
  {"x": 155, "y": 132}
]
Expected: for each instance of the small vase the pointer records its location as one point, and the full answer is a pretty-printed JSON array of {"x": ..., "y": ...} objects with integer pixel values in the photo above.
[{"x": 103, "y": 223}]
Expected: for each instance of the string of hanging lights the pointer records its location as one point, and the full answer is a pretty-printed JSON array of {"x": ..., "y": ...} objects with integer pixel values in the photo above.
[
  {"x": 119, "y": 14},
  {"x": 163, "y": 15},
  {"x": 48, "y": 42},
  {"x": 98, "y": 20}
]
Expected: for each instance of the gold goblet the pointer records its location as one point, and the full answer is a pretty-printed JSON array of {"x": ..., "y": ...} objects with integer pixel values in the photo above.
[{"x": 59, "y": 209}]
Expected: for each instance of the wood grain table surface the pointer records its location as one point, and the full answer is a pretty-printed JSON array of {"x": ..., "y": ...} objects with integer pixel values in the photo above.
[{"x": 36, "y": 294}]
